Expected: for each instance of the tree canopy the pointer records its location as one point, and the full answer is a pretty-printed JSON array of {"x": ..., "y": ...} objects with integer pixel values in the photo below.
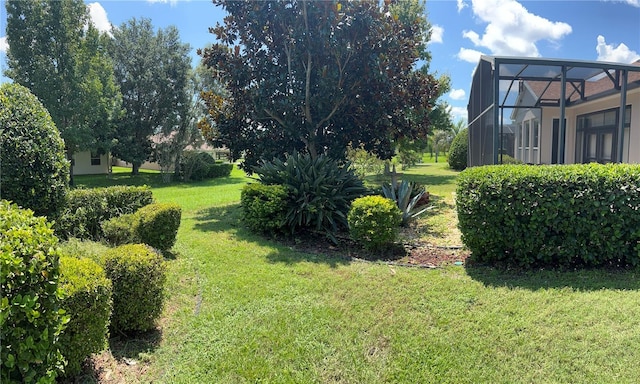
[
  {"x": 57, "y": 53},
  {"x": 316, "y": 76},
  {"x": 152, "y": 69}
]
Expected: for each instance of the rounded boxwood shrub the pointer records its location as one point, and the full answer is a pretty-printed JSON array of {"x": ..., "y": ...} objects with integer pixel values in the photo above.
[
  {"x": 264, "y": 207},
  {"x": 374, "y": 221},
  {"x": 30, "y": 316},
  {"x": 157, "y": 224},
  {"x": 138, "y": 275},
  {"x": 87, "y": 301},
  {"x": 458, "y": 150},
  {"x": 120, "y": 230},
  {"x": 34, "y": 172}
]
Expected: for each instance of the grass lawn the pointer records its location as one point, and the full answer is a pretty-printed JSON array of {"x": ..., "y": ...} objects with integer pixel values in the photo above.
[{"x": 242, "y": 309}]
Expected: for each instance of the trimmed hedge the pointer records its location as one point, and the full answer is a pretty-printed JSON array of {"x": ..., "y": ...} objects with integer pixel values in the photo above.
[
  {"x": 196, "y": 166},
  {"x": 34, "y": 171},
  {"x": 138, "y": 275},
  {"x": 374, "y": 221},
  {"x": 569, "y": 215},
  {"x": 87, "y": 302},
  {"x": 87, "y": 208},
  {"x": 30, "y": 316},
  {"x": 264, "y": 207},
  {"x": 458, "y": 150},
  {"x": 120, "y": 230},
  {"x": 157, "y": 224}
]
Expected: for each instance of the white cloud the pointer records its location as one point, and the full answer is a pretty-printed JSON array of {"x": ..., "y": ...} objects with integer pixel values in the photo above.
[
  {"x": 619, "y": 54},
  {"x": 457, "y": 94},
  {"x": 512, "y": 30},
  {"x": 459, "y": 113},
  {"x": 436, "y": 34},
  {"x": 99, "y": 18},
  {"x": 172, "y": 2},
  {"x": 633, "y": 3},
  {"x": 469, "y": 55},
  {"x": 4, "y": 46},
  {"x": 461, "y": 5}
]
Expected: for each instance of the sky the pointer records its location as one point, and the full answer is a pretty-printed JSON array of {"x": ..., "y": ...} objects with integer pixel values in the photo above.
[{"x": 462, "y": 30}]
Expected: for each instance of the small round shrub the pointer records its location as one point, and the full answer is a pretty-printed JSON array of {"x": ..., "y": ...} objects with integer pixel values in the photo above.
[
  {"x": 138, "y": 277},
  {"x": 30, "y": 316},
  {"x": 458, "y": 150},
  {"x": 157, "y": 224},
  {"x": 87, "y": 302},
  {"x": 264, "y": 207},
  {"x": 120, "y": 230},
  {"x": 34, "y": 172},
  {"x": 195, "y": 165},
  {"x": 374, "y": 221}
]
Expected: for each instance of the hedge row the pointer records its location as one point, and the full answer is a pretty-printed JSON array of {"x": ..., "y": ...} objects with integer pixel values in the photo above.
[
  {"x": 154, "y": 224},
  {"x": 569, "y": 215},
  {"x": 196, "y": 166},
  {"x": 87, "y": 208}
]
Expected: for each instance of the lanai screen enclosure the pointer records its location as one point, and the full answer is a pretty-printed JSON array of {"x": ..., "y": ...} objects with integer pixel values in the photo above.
[{"x": 516, "y": 105}]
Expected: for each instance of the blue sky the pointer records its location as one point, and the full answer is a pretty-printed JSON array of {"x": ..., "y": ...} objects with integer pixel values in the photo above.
[{"x": 606, "y": 30}]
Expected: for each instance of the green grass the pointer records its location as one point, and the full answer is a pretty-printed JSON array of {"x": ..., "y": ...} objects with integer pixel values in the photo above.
[{"x": 242, "y": 309}]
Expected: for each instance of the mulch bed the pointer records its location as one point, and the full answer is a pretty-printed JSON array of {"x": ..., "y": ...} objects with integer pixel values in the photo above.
[{"x": 415, "y": 253}]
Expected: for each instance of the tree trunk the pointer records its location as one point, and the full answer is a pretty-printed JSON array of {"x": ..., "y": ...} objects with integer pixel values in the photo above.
[
  {"x": 436, "y": 155},
  {"x": 135, "y": 167}
]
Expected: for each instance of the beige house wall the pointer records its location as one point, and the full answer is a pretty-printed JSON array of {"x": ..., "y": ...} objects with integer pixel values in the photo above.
[{"x": 82, "y": 164}]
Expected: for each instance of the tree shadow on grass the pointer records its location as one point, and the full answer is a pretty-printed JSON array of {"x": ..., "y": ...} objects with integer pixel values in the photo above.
[
  {"x": 129, "y": 348},
  {"x": 286, "y": 249},
  {"x": 579, "y": 279}
]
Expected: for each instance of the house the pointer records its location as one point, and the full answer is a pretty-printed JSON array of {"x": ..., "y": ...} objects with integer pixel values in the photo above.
[
  {"x": 599, "y": 103},
  {"x": 91, "y": 163}
]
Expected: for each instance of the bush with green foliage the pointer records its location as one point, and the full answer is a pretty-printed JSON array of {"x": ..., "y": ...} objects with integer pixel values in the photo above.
[
  {"x": 87, "y": 301},
  {"x": 87, "y": 208},
  {"x": 406, "y": 196},
  {"x": 264, "y": 207},
  {"x": 409, "y": 157},
  {"x": 157, "y": 224},
  {"x": 458, "y": 150},
  {"x": 138, "y": 275},
  {"x": 363, "y": 162},
  {"x": 34, "y": 171},
  {"x": 569, "y": 215},
  {"x": 30, "y": 315},
  {"x": 506, "y": 159},
  {"x": 320, "y": 191},
  {"x": 196, "y": 166},
  {"x": 374, "y": 221},
  {"x": 120, "y": 230}
]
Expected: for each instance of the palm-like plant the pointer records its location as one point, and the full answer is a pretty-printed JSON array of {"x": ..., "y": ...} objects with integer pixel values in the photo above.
[{"x": 401, "y": 194}]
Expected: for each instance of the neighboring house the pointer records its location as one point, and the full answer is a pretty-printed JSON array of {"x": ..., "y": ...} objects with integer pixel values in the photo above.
[
  {"x": 529, "y": 91},
  {"x": 91, "y": 163}
]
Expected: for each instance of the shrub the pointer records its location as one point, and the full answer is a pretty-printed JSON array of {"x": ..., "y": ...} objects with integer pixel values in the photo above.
[
  {"x": 363, "y": 162},
  {"x": 320, "y": 191},
  {"x": 30, "y": 316},
  {"x": 409, "y": 157},
  {"x": 196, "y": 166},
  {"x": 374, "y": 221},
  {"x": 264, "y": 207},
  {"x": 138, "y": 277},
  {"x": 83, "y": 249},
  {"x": 157, "y": 224},
  {"x": 551, "y": 215},
  {"x": 34, "y": 172},
  {"x": 87, "y": 208},
  {"x": 506, "y": 159},
  {"x": 87, "y": 302},
  {"x": 458, "y": 150},
  {"x": 120, "y": 230}
]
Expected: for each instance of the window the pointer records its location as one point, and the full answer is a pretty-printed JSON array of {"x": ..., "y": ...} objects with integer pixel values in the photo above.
[
  {"x": 95, "y": 158},
  {"x": 536, "y": 133},
  {"x": 597, "y": 136},
  {"x": 526, "y": 133}
]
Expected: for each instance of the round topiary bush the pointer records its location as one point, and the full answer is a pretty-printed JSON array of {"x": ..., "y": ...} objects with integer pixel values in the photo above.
[
  {"x": 264, "y": 207},
  {"x": 138, "y": 277},
  {"x": 34, "y": 172},
  {"x": 374, "y": 221},
  {"x": 87, "y": 302},
  {"x": 458, "y": 150},
  {"x": 30, "y": 316},
  {"x": 157, "y": 224}
]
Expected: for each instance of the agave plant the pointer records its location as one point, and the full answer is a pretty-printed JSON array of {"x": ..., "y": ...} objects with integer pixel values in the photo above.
[{"x": 401, "y": 194}]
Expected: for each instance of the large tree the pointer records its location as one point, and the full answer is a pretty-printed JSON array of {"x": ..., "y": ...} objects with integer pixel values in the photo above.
[
  {"x": 152, "y": 69},
  {"x": 315, "y": 76},
  {"x": 57, "y": 53}
]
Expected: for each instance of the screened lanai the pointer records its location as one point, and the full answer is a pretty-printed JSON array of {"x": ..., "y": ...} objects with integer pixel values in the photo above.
[{"x": 516, "y": 105}]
